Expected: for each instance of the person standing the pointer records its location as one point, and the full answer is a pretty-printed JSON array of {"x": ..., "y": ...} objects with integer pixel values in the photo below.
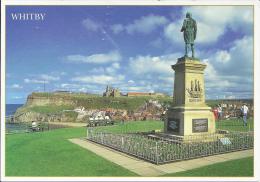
[
  {"x": 244, "y": 111},
  {"x": 215, "y": 112},
  {"x": 34, "y": 126},
  {"x": 219, "y": 112}
]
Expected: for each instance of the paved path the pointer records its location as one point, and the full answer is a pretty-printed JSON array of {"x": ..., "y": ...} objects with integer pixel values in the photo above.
[
  {"x": 144, "y": 168},
  {"x": 70, "y": 124}
]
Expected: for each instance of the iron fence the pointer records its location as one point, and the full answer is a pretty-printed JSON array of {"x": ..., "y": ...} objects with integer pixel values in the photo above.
[{"x": 160, "y": 150}]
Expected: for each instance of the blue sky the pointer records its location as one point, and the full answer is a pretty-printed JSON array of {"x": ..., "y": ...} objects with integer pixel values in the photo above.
[{"x": 84, "y": 48}]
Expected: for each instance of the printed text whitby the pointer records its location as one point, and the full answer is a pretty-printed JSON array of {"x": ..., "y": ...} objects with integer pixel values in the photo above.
[{"x": 28, "y": 16}]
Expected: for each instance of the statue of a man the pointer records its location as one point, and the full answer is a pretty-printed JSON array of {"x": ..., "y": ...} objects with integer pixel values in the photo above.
[{"x": 189, "y": 29}]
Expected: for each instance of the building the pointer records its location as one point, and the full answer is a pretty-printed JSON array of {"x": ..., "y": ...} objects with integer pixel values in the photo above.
[
  {"x": 144, "y": 94},
  {"x": 111, "y": 92}
]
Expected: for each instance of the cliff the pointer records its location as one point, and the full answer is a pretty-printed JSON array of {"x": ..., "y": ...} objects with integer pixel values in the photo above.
[{"x": 78, "y": 107}]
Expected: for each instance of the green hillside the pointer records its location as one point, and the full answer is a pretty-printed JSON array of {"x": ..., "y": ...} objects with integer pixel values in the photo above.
[{"x": 89, "y": 101}]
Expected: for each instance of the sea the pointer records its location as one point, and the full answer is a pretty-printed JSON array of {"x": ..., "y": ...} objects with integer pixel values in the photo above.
[
  {"x": 14, "y": 127},
  {"x": 11, "y": 108},
  {"x": 19, "y": 127}
]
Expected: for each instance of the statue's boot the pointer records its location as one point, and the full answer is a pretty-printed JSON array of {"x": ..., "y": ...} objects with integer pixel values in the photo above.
[
  {"x": 192, "y": 51},
  {"x": 186, "y": 50}
]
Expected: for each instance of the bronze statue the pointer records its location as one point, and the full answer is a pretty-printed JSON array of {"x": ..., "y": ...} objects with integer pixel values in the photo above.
[{"x": 189, "y": 29}]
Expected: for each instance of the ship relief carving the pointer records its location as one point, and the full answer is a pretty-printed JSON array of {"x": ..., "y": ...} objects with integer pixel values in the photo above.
[{"x": 195, "y": 90}]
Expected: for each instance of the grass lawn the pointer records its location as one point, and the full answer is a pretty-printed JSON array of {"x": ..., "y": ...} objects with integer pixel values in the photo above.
[
  {"x": 51, "y": 154},
  {"x": 235, "y": 125},
  {"x": 235, "y": 168},
  {"x": 129, "y": 127}
]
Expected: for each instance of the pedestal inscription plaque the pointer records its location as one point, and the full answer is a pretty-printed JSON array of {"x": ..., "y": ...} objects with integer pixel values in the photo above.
[
  {"x": 173, "y": 124},
  {"x": 199, "y": 125}
]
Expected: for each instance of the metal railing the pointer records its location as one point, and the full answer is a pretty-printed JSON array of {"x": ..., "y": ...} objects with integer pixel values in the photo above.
[{"x": 163, "y": 150}]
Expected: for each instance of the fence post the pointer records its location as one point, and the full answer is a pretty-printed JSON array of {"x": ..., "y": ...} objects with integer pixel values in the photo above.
[
  {"x": 87, "y": 133},
  {"x": 156, "y": 153},
  {"x": 102, "y": 140},
  {"x": 122, "y": 143}
]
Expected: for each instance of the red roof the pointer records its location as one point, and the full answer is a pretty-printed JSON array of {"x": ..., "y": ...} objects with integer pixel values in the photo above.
[{"x": 138, "y": 93}]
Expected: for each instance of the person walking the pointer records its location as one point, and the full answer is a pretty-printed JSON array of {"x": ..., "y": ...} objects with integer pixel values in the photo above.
[
  {"x": 219, "y": 111},
  {"x": 244, "y": 111}
]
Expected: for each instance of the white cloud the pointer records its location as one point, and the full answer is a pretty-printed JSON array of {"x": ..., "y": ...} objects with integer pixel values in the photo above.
[
  {"x": 116, "y": 65},
  {"x": 69, "y": 85},
  {"x": 117, "y": 28},
  {"x": 91, "y": 25},
  {"x": 17, "y": 97},
  {"x": 223, "y": 56},
  {"x": 49, "y": 77},
  {"x": 232, "y": 14},
  {"x": 210, "y": 25},
  {"x": 238, "y": 60},
  {"x": 206, "y": 32},
  {"x": 167, "y": 79},
  {"x": 157, "y": 43},
  {"x": 79, "y": 87},
  {"x": 231, "y": 71},
  {"x": 110, "y": 70},
  {"x": 41, "y": 79},
  {"x": 113, "y": 68},
  {"x": 153, "y": 73},
  {"x": 112, "y": 56},
  {"x": 16, "y": 86},
  {"x": 63, "y": 73},
  {"x": 131, "y": 81},
  {"x": 141, "y": 65},
  {"x": 137, "y": 88},
  {"x": 100, "y": 79},
  {"x": 146, "y": 24},
  {"x": 27, "y": 80},
  {"x": 99, "y": 70}
]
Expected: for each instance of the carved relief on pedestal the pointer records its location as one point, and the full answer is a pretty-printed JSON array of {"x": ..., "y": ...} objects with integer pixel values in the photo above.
[{"x": 195, "y": 91}]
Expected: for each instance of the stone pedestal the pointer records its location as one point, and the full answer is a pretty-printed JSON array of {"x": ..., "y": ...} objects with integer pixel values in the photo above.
[{"x": 189, "y": 114}]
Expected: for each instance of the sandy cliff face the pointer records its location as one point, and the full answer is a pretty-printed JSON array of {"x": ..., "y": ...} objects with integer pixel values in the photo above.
[
  {"x": 27, "y": 112},
  {"x": 25, "y": 115},
  {"x": 45, "y": 100}
]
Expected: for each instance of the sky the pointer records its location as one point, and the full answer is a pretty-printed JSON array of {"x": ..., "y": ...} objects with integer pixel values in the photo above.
[{"x": 85, "y": 48}]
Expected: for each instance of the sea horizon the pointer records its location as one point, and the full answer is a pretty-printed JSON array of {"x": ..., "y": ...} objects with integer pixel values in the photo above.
[{"x": 11, "y": 108}]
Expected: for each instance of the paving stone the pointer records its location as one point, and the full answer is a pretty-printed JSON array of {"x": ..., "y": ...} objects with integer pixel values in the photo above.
[
  {"x": 169, "y": 168},
  {"x": 148, "y": 171},
  {"x": 215, "y": 159}
]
